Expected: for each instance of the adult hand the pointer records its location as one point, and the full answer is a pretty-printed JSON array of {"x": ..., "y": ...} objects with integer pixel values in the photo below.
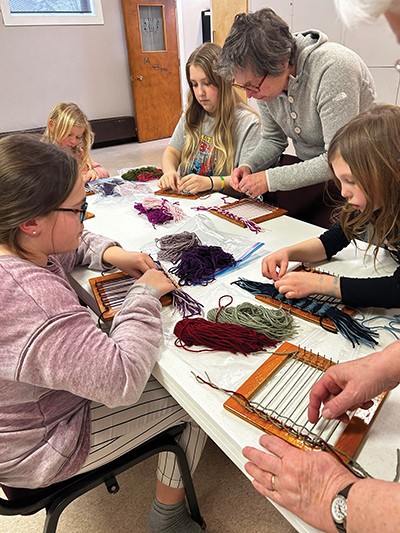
[
  {"x": 169, "y": 181},
  {"x": 304, "y": 482},
  {"x": 193, "y": 183},
  {"x": 133, "y": 263},
  {"x": 275, "y": 265},
  {"x": 253, "y": 184},
  {"x": 238, "y": 174},
  {"x": 302, "y": 284},
  {"x": 158, "y": 280},
  {"x": 348, "y": 386}
]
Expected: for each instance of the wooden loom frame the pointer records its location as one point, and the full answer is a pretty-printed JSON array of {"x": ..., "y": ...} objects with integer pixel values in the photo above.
[
  {"x": 352, "y": 436},
  {"x": 108, "y": 313},
  {"x": 164, "y": 192},
  {"x": 325, "y": 322},
  {"x": 274, "y": 211}
]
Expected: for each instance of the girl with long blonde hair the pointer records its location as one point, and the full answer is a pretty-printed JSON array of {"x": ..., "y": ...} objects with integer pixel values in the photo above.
[{"x": 68, "y": 127}]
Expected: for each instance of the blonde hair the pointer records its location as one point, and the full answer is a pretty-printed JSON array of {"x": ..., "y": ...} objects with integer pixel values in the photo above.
[
  {"x": 370, "y": 145},
  {"x": 224, "y": 134},
  {"x": 35, "y": 179},
  {"x": 65, "y": 116}
]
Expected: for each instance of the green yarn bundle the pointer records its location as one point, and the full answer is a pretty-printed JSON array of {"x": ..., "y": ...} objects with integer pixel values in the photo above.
[{"x": 274, "y": 323}]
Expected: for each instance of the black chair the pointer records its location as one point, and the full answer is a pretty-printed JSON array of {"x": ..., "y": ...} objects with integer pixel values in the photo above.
[{"x": 55, "y": 498}]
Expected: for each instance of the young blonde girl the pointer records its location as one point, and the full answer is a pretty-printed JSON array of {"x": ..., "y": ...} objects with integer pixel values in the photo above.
[
  {"x": 365, "y": 158},
  {"x": 215, "y": 133},
  {"x": 69, "y": 128}
]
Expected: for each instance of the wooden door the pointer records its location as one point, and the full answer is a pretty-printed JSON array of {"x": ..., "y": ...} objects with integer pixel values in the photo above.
[
  {"x": 223, "y": 14},
  {"x": 151, "y": 36}
]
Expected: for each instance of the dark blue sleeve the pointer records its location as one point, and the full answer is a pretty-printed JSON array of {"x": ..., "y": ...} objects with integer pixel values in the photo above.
[{"x": 334, "y": 240}]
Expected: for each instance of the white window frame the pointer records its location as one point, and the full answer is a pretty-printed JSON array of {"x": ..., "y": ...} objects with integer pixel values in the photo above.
[{"x": 40, "y": 19}]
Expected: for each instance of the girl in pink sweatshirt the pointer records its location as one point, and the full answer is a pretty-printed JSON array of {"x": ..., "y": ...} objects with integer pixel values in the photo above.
[{"x": 72, "y": 397}]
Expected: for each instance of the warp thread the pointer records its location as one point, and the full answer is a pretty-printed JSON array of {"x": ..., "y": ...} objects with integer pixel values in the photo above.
[
  {"x": 171, "y": 247},
  {"x": 231, "y": 217},
  {"x": 199, "y": 264},
  {"x": 219, "y": 337},
  {"x": 274, "y": 323},
  {"x": 159, "y": 210},
  {"x": 345, "y": 324}
]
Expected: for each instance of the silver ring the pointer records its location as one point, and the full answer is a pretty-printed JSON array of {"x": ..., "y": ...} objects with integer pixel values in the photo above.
[{"x": 273, "y": 482}]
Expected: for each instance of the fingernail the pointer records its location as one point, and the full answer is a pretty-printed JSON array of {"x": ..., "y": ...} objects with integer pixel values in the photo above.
[{"x": 327, "y": 413}]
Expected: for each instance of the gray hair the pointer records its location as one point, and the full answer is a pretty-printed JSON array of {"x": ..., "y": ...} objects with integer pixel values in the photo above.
[
  {"x": 260, "y": 41},
  {"x": 363, "y": 10}
]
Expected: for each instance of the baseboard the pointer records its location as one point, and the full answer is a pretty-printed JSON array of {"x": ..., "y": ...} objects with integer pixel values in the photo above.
[{"x": 107, "y": 131}]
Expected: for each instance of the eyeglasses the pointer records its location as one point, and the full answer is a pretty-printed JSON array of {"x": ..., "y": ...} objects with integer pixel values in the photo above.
[
  {"x": 249, "y": 87},
  {"x": 82, "y": 210}
]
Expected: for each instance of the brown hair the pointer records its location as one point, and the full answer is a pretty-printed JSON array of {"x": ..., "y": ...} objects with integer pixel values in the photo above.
[
  {"x": 370, "y": 145},
  {"x": 35, "y": 178}
]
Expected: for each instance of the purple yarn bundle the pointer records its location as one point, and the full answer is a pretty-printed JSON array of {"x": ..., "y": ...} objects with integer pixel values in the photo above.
[
  {"x": 159, "y": 211},
  {"x": 155, "y": 216},
  {"x": 199, "y": 264}
]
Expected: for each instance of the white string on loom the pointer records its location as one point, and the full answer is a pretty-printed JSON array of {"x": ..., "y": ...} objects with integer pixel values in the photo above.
[
  {"x": 250, "y": 210},
  {"x": 285, "y": 397}
]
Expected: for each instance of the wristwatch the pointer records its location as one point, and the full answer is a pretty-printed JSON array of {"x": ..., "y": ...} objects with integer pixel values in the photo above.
[{"x": 339, "y": 509}]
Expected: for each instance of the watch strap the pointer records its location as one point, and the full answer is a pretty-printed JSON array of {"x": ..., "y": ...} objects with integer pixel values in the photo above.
[{"x": 342, "y": 528}]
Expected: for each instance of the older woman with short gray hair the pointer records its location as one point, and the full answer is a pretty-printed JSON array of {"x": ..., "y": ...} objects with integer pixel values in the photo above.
[{"x": 307, "y": 88}]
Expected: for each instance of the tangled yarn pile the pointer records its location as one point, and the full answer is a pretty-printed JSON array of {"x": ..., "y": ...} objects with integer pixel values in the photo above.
[{"x": 159, "y": 210}]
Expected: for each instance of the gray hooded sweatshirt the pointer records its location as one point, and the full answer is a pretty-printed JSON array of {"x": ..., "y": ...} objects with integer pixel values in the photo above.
[{"x": 332, "y": 85}]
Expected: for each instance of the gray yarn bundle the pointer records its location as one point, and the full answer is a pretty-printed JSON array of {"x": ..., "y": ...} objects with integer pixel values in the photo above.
[
  {"x": 171, "y": 247},
  {"x": 274, "y": 323}
]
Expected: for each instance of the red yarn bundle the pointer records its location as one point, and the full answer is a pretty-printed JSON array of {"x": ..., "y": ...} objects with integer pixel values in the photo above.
[{"x": 219, "y": 336}]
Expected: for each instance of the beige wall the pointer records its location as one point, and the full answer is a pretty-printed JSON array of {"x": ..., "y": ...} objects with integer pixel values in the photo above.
[{"x": 43, "y": 65}]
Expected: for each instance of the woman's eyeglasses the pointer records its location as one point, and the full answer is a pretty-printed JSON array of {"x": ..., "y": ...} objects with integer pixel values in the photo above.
[
  {"x": 249, "y": 86},
  {"x": 82, "y": 210}
]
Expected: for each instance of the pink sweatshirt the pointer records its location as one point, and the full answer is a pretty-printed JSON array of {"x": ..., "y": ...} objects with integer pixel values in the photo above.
[{"x": 54, "y": 361}]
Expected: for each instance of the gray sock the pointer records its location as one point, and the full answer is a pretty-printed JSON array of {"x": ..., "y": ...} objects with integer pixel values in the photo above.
[{"x": 171, "y": 519}]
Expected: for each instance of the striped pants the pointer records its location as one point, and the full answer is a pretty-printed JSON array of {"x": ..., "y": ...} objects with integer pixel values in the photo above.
[{"x": 118, "y": 430}]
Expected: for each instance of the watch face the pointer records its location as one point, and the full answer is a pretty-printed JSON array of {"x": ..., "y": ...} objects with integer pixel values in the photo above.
[{"x": 339, "y": 509}]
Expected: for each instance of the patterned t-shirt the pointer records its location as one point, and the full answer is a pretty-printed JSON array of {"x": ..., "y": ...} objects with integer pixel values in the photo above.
[{"x": 204, "y": 161}]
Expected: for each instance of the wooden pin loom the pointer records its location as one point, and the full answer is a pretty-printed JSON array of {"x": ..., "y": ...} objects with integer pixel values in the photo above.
[
  {"x": 248, "y": 209},
  {"x": 326, "y": 322},
  {"x": 279, "y": 389},
  {"x": 188, "y": 196},
  {"x": 110, "y": 291}
]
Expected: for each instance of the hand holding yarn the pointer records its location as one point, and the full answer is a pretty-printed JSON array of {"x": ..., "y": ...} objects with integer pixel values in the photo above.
[{"x": 158, "y": 280}]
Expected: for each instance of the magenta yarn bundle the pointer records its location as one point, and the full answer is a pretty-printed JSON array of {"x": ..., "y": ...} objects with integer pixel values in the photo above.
[{"x": 159, "y": 210}]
